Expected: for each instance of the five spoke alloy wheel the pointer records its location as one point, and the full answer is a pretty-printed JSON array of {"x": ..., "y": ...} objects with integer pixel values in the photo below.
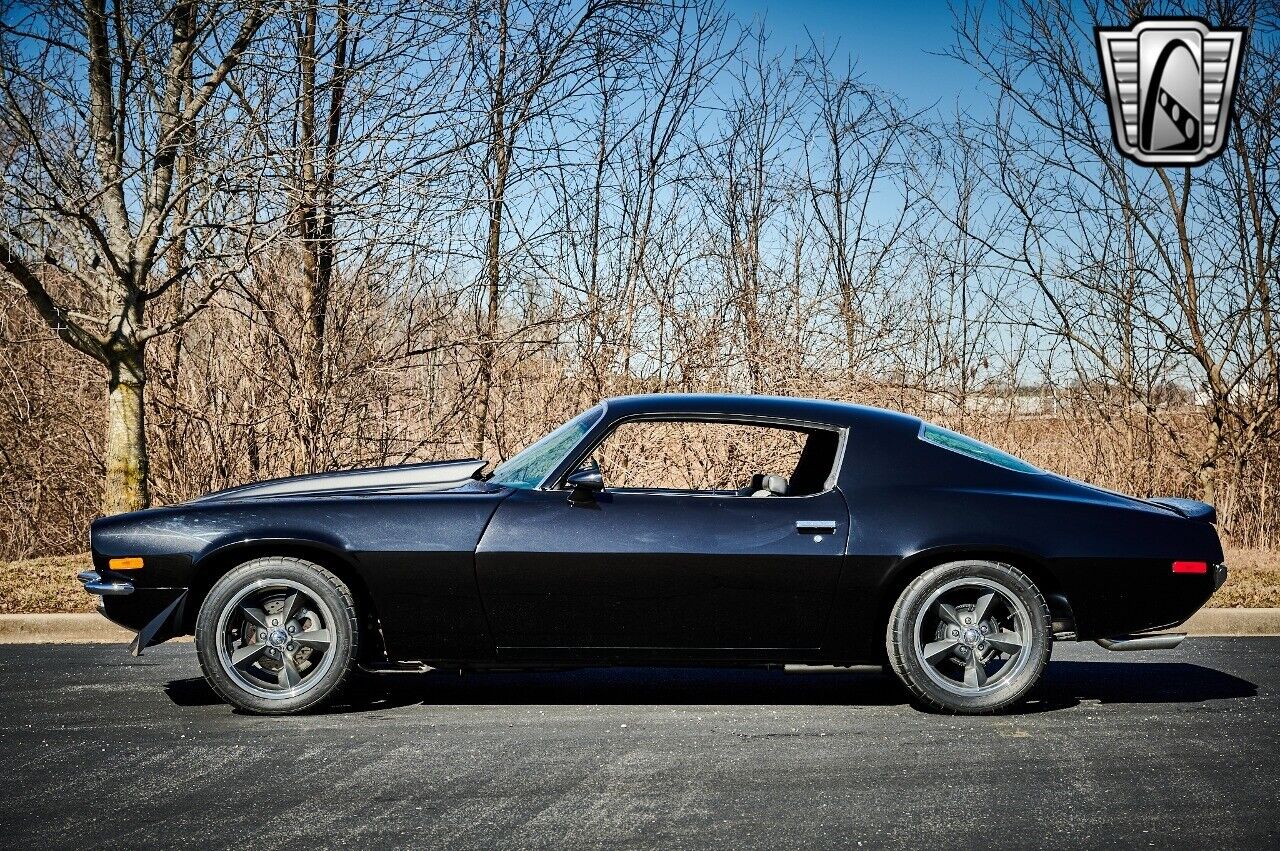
[
  {"x": 277, "y": 635},
  {"x": 969, "y": 637},
  {"x": 274, "y": 640}
]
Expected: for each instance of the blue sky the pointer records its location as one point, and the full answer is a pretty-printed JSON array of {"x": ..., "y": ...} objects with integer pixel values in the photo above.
[{"x": 895, "y": 42}]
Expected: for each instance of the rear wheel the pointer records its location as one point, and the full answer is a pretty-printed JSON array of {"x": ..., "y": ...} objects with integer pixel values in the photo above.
[
  {"x": 277, "y": 636},
  {"x": 969, "y": 637}
]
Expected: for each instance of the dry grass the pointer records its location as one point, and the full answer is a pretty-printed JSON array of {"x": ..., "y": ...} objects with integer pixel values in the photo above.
[
  {"x": 1253, "y": 581},
  {"x": 44, "y": 585},
  {"x": 49, "y": 584}
]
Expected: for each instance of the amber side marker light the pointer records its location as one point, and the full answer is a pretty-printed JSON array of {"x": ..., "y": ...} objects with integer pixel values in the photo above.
[
  {"x": 131, "y": 563},
  {"x": 1181, "y": 567}
]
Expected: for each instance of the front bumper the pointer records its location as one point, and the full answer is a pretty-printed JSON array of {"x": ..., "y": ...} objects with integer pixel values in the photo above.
[
  {"x": 94, "y": 583},
  {"x": 155, "y": 614}
]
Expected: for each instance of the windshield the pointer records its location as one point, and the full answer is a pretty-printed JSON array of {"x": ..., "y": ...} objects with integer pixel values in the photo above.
[{"x": 528, "y": 468}]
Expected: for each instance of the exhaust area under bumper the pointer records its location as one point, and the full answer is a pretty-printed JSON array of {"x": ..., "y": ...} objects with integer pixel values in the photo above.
[{"x": 1158, "y": 641}]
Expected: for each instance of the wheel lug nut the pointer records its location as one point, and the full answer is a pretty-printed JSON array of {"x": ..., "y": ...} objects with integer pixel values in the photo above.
[
  {"x": 275, "y": 621},
  {"x": 262, "y": 636},
  {"x": 955, "y": 633},
  {"x": 292, "y": 647},
  {"x": 292, "y": 629},
  {"x": 968, "y": 620},
  {"x": 982, "y": 645},
  {"x": 964, "y": 651}
]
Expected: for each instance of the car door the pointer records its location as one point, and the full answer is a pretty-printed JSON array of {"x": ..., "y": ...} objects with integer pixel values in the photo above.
[{"x": 661, "y": 570}]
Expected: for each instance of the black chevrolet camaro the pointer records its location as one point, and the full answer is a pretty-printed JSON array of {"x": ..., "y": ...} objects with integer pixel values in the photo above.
[{"x": 884, "y": 540}]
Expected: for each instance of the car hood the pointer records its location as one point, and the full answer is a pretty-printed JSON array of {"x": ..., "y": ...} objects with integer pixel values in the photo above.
[{"x": 406, "y": 478}]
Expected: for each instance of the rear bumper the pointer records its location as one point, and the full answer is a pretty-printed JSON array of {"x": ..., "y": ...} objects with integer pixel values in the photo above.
[
  {"x": 1136, "y": 596},
  {"x": 1160, "y": 641}
]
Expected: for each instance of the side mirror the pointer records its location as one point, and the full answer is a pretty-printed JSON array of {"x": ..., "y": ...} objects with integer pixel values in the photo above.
[{"x": 585, "y": 483}]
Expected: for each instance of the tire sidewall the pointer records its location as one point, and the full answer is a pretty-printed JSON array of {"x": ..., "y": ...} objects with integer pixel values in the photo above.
[
  {"x": 318, "y": 581},
  {"x": 906, "y": 663}
]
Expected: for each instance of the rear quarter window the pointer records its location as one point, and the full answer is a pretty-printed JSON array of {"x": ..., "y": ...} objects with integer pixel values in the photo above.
[{"x": 947, "y": 439}]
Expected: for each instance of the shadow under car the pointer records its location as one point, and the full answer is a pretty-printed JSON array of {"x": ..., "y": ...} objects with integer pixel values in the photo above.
[{"x": 1065, "y": 684}]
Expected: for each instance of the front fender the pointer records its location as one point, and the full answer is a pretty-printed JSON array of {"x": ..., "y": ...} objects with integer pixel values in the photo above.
[{"x": 235, "y": 547}]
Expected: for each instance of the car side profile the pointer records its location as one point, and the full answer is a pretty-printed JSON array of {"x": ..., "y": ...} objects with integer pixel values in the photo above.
[{"x": 853, "y": 535}]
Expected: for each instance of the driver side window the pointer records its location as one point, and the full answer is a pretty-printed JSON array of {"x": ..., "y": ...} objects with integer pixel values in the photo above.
[{"x": 715, "y": 457}]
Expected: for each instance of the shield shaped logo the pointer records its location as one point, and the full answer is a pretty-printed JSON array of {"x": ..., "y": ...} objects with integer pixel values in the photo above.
[{"x": 1170, "y": 82}]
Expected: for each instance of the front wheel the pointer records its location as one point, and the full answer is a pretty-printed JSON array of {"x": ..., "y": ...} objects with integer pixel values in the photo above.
[
  {"x": 277, "y": 636},
  {"x": 969, "y": 637}
]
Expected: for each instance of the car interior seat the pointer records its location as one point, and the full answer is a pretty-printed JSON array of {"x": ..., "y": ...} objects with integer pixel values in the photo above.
[
  {"x": 756, "y": 483},
  {"x": 771, "y": 486}
]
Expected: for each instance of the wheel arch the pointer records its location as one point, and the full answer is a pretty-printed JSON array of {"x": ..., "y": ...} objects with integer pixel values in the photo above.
[
  {"x": 218, "y": 562},
  {"x": 1029, "y": 563}
]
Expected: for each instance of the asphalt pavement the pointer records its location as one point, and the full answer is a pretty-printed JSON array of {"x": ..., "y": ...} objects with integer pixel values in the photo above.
[{"x": 1164, "y": 749}]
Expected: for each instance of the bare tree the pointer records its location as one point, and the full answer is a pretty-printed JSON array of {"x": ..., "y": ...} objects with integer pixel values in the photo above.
[
  {"x": 623, "y": 213},
  {"x": 321, "y": 110},
  {"x": 747, "y": 190},
  {"x": 119, "y": 172},
  {"x": 1147, "y": 276},
  {"x": 970, "y": 332},
  {"x": 859, "y": 142},
  {"x": 532, "y": 60},
  {"x": 352, "y": 104}
]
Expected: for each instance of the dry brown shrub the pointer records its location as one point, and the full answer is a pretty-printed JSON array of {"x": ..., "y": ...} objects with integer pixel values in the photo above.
[
  {"x": 224, "y": 409},
  {"x": 1253, "y": 580}
]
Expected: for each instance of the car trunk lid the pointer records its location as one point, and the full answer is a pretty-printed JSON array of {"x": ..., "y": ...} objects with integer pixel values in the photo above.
[{"x": 1189, "y": 508}]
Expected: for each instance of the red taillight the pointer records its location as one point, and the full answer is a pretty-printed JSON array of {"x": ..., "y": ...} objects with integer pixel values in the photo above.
[{"x": 1190, "y": 567}]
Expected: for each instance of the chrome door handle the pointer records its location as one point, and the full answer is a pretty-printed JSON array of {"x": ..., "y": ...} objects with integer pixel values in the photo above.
[{"x": 816, "y": 527}]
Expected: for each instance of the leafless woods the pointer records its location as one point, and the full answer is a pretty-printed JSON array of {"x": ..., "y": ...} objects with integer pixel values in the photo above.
[{"x": 254, "y": 239}]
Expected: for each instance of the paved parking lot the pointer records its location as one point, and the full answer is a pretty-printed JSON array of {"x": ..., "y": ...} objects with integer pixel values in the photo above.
[{"x": 1164, "y": 749}]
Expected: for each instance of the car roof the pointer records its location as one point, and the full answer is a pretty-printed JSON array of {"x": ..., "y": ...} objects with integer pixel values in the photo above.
[{"x": 770, "y": 407}]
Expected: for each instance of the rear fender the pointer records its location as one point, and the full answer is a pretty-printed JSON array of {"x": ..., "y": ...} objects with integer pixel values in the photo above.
[{"x": 1029, "y": 563}]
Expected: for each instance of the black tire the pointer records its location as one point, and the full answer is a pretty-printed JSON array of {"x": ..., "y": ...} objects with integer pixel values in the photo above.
[
  {"x": 292, "y": 627},
  {"x": 953, "y": 656}
]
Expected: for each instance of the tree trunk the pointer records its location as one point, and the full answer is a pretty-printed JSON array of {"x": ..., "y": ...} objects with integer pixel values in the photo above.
[
  {"x": 126, "y": 450},
  {"x": 501, "y": 143},
  {"x": 311, "y": 356},
  {"x": 489, "y": 333},
  {"x": 1207, "y": 473}
]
